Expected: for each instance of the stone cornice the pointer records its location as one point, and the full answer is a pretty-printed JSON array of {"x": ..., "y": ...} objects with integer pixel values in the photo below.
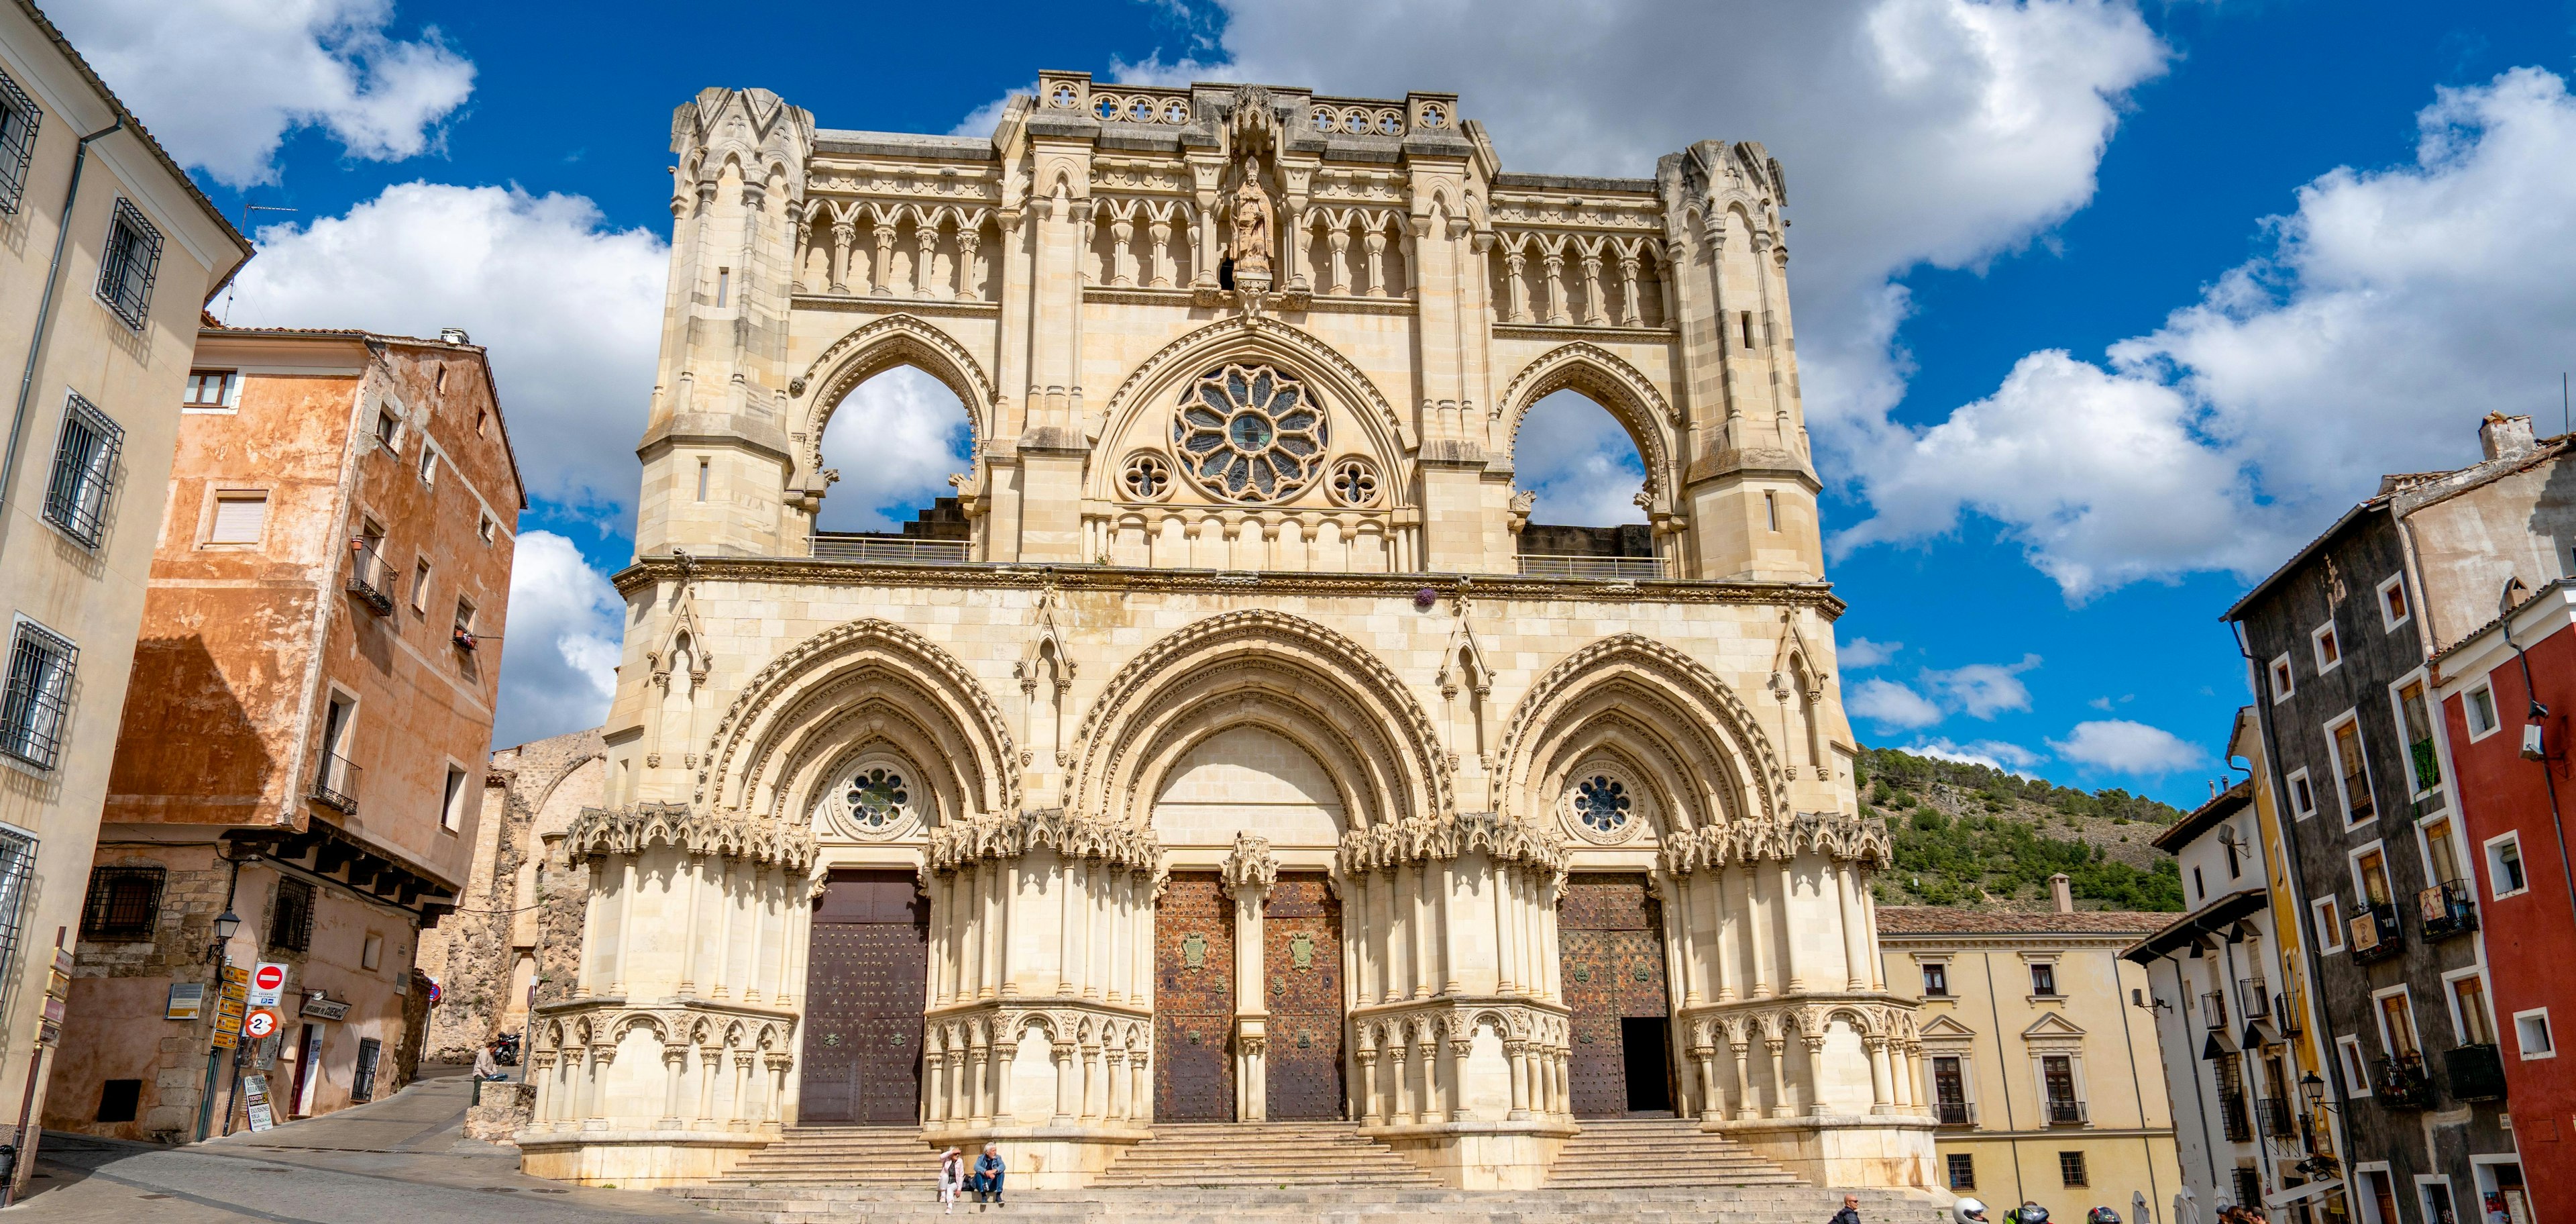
[
  {"x": 806, "y": 571},
  {"x": 1838, "y": 836}
]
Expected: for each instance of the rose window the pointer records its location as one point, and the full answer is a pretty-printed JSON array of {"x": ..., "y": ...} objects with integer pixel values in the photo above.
[
  {"x": 1601, "y": 802},
  {"x": 1145, "y": 478},
  {"x": 1250, "y": 433},
  {"x": 1354, "y": 484},
  {"x": 877, "y": 798}
]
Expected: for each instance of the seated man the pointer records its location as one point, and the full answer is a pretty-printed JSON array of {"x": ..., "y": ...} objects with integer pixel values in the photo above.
[{"x": 988, "y": 1175}]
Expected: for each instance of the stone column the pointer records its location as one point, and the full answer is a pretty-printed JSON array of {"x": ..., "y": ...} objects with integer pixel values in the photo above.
[
  {"x": 743, "y": 1115},
  {"x": 1880, "y": 1100},
  {"x": 1780, "y": 1106},
  {"x": 759, "y": 915},
  {"x": 1712, "y": 1106},
  {"x": 541, "y": 1072},
  {"x": 1721, "y": 931},
  {"x": 1516, "y": 1052},
  {"x": 1068, "y": 925},
  {"x": 692, "y": 869},
  {"x": 935, "y": 1086},
  {"x": 674, "y": 1059},
  {"x": 1813, "y": 1095},
  {"x": 1856, "y": 972},
  {"x": 1757, "y": 924},
  {"x": 1114, "y": 1065},
  {"x": 1094, "y": 1088},
  {"x": 1140, "y": 1097},
  {"x": 979, "y": 1110},
  {"x": 1787, "y": 926},
  {"x": 626, "y": 885},
  {"x": 1064, "y": 1085},
  {"x": 1677, "y": 892},
  {"x": 1745, "y": 1108},
  {"x": 1402, "y": 1109},
  {"x": 774, "y": 1109},
  {"x": 709, "y": 1059},
  {"x": 1368, "y": 1088},
  {"x": 726, "y": 904},
  {"x": 997, "y": 1070},
  {"x": 1448, "y": 877},
  {"x": 842, "y": 233}
]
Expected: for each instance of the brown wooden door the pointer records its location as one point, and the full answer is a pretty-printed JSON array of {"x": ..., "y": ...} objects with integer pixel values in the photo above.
[
  {"x": 1611, "y": 934},
  {"x": 1301, "y": 957},
  {"x": 1193, "y": 1001},
  {"x": 865, "y": 983}
]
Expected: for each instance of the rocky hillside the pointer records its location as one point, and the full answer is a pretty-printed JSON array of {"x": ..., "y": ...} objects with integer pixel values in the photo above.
[{"x": 1968, "y": 835}]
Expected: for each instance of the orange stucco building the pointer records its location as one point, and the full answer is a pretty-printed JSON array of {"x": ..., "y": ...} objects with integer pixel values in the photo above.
[{"x": 304, "y": 735}]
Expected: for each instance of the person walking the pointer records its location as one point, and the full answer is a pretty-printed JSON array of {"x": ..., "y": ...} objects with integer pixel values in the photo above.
[
  {"x": 988, "y": 1176},
  {"x": 1850, "y": 1214},
  {"x": 952, "y": 1178}
]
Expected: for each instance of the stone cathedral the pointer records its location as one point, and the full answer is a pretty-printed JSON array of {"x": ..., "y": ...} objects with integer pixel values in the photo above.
[{"x": 1230, "y": 748}]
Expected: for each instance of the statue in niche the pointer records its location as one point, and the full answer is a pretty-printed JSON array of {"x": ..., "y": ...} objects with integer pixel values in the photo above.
[{"x": 1254, "y": 226}]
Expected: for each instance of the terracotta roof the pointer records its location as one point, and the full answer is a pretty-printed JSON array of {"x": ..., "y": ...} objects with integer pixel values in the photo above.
[
  {"x": 2225, "y": 804},
  {"x": 1946, "y": 920}
]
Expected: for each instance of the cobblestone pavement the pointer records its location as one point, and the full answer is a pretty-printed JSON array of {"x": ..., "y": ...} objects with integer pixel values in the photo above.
[{"x": 403, "y": 1160}]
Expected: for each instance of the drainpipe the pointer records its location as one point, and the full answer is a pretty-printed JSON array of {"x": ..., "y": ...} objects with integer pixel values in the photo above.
[
  {"x": 2535, "y": 712},
  {"x": 45, "y": 310}
]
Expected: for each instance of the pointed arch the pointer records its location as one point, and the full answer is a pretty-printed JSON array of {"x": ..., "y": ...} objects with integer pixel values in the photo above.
[
  {"x": 1608, "y": 380},
  {"x": 1325, "y": 693},
  {"x": 1344, "y": 387},
  {"x": 1648, "y": 695},
  {"x": 874, "y": 348}
]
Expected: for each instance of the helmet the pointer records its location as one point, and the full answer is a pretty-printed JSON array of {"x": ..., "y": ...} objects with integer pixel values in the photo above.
[
  {"x": 1968, "y": 1211},
  {"x": 2101, "y": 1215},
  {"x": 2033, "y": 1213}
]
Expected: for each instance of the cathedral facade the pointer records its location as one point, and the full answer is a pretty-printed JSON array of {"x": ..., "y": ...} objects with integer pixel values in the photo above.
[{"x": 1232, "y": 748}]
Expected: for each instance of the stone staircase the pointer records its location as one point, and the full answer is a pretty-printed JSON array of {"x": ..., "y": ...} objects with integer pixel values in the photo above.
[
  {"x": 1275, "y": 1155},
  {"x": 1322, "y": 1204},
  {"x": 1631, "y": 1152},
  {"x": 869, "y": 1157}
]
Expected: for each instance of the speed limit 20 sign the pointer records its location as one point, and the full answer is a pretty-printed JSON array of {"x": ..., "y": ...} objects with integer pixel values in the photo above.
[{"x": 260, "y": 1023}]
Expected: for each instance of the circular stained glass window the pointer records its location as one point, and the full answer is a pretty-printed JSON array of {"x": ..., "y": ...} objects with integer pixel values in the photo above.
[
  {"x": 1250, "y": 433},
  {"x": 1601, "y": 802},
  {"x": 877, "y": 798}
]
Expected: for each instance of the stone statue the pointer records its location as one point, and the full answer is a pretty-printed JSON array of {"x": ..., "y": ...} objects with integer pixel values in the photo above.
[{"x": 1253, "y": 227}]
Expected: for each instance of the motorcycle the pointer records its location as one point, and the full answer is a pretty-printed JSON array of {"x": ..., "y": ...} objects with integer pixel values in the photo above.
[{"x": 507, "y": 1053}]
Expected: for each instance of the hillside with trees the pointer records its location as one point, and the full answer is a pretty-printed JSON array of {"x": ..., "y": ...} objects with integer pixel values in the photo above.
[{"x": 1973, "y": 836}]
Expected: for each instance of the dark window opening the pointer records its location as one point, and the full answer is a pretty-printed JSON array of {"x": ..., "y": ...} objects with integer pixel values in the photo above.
[
  {"x": 124, "y": 903},
  {"x": 290, "y": 919},
  {"x": 119, "y": 1100}
]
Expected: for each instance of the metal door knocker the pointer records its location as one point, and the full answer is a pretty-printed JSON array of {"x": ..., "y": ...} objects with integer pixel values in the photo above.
[
  {"x": 1642, "y": 972},
  {"x": 1583, "y": 973},
  {"x": 898, "y": 1039}
]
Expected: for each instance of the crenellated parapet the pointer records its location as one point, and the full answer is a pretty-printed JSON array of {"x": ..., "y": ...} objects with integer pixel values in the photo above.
[{"x": 601, "y": 832}]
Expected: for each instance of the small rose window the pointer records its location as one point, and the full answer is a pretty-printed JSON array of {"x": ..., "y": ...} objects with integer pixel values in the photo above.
[
  {"x": 1145, "y": 478},
  {"x": 877, "y": 799},
  {"x": 1250, "y": 433},
  {"x": 1601, "y": 802},
  {"x": 1354, "y": 483},
  {"x": 1324, "y": 119}
]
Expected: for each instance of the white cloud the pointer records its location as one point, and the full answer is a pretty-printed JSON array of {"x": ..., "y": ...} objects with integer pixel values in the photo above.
[
  {"x": 1890, "y": 704},
  {"x": 221, "y": 82},
  {"x": 2397, "y": 304},
  {"x": 2128, "y": 747},
  {"x": 895, "y": 440},
  {"x": 560, "y": 644},
  {"x": 1861, "y": 652},
  {"x": 1582, "y": 465},
  {"x": 570, "y": 311},
  {"x": 1983, "y": 690},
  {"x": 1993, "y": 754}
]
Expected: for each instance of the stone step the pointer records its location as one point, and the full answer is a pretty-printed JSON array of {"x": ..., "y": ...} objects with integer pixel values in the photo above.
[
  {"x": 1644, "y": 1204},
  {"x": 1261, "y": 1154}
]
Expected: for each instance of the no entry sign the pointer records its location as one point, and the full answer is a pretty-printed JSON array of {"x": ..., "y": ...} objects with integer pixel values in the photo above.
[
  {"x": 259, "y": 1023},
  {"x": 267, "y": 981}
]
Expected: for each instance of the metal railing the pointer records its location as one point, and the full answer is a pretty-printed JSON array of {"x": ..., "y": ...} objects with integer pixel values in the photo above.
[
  {"x": 2377, "y": 933},
  {"x": 829, "y": 546},
  {"x": 2403, "y": 1084},
  {"x": 2476, "y": 1072},
  {"x": 335, "y": 784},
  {"x": 2446, "y": 910},
  {"x": 1547, "y": 565},
  {"x": 2285, "y": 1015},
  {"x": 370, "y": 579},
  {"x": 2232, "y": 1112},
  {"x": 2276, "y": 1117},
  {"x": 1954, "y": 1113},
  {"x": 2065, "y": 1111}
]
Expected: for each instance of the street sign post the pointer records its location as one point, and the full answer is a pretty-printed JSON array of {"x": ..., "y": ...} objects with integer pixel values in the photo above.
[{"x": 267, "y": 982}]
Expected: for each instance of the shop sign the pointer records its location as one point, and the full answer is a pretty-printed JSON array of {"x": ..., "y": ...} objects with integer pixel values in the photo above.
[
  {"x": 187, "y": 1001},
  {"x": 255, "y": 1096},
  {"x": 324, "y": 1009}
]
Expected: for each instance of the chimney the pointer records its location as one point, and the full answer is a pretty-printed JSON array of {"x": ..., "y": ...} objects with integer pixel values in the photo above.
[
  {"x": 2061, "y": 889},
  {"x": 2503, "y": 437},
  {"x": 456, "y": 335}
]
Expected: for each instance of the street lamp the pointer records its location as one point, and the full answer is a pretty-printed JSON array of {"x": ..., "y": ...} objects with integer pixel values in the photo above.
[
  {"x": 224, "y": 928},
  {"x": 2313, "y": 1088}
]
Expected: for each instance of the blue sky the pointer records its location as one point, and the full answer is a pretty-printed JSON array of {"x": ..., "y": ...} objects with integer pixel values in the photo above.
[{"x": 2102, "y": 306}]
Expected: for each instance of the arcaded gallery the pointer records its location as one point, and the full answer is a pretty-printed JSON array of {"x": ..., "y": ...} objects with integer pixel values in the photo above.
[{"x": 1231, "y": 748}]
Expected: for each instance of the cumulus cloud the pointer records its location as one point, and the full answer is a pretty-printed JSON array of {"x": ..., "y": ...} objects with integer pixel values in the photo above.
[
  {"x": 2128, "y": 747},
  {"x": 2400, "y": 304},
  {"x": 1890, "y": 704},
  {"x": 1861, "y": 652},
  {"x": 560, "y": 646},
  {"x": 1983, "y": 690},
  {"x": 1993, "y": 754},
  {"x": 895, "y": 440},
  {"x": 570, "y": 310},
  {"x": 221, "y": 82},
  {"x": 1582, "y": 465}
]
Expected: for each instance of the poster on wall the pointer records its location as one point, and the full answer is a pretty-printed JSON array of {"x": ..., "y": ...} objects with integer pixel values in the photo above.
[{"x": 255, "y": 1098}]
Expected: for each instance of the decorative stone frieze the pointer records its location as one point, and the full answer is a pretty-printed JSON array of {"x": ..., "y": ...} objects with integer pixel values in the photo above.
[{"x": 599, "y": 832}]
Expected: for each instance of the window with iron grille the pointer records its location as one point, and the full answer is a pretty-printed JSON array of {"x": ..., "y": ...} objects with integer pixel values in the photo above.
[
  {"x": 2249, "y": 1185},
  {"x": 133, "y": 259},
  {"x": 19, "y": 117},
  {"x": 17, "y": 865},
  {"x": 1963, "y": 1171},
  {"x": 362, "y": 1085},
  {"x": 124, "y": 903},
  {"x": 2070, "y": 1168},
  {"x": 84, "y": 471},
  {"x": 41, "y": 663},
  {"x": 290, "y": 919}
]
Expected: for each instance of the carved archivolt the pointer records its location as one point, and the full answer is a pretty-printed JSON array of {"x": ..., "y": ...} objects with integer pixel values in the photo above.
[
  {"x": 877, "y": 347},
  {"x": 604, "y": 831},
  {"x": 1608, "y": 381},
  {"x": 1652, "y": 694},
  {"x": 849, "y": 671},
  {"x": 1839, "y": 836}
]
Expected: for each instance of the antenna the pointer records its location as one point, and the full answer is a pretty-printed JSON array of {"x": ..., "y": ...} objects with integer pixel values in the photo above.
[{"x": 247, "y": 210}]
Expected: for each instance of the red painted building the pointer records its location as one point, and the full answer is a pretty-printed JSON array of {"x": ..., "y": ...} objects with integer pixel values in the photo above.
[{"x": 2512, "y": 791}]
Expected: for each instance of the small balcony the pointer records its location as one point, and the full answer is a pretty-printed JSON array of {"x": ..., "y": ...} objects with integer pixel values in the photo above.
[
  {"x": 370, "y": 579},
  {"x": 1954, "y": 1113},
  {"x": 2377, "y": 934},
  {"x": 2233, "y": 1116},
  {"x": 2446, "y": 910},
  {"x": 887, "y": 549},
  {"x": 335, "y": 784},
  {"x": 2213, "y": 1009},
  {"x": 2403, "y": 1084},
  {"x": 2285, "y": 1016},
  {"x": 2475, "y": 1072},
  {"x": 2277, "y": 1118},
  {"x": 2255, "y": 996},
  {"x": 1628, "y": 569},
  {"x": 2066, "y": 1111}
]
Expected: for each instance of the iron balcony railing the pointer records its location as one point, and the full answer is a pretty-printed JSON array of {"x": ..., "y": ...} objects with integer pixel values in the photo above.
[
  {"x": 335, "y": 784},
  {"x": 2403, "y": 1084},
  {"x": 2377, "y": 933},
  {"x": 1545, "y": 565},
  {"x": 880, "y": 550},
  {"x": 2232, "y": 1112},
  {"x": 2276, "y": 1117},
  {"x": 2213, "y": 1008},
  {"x": 2065, "y": 1111},
  {"x": 2446, "y": 910},
  {"x": 2285, "y": 1015},
  {"x": 1954, "y": 1113},
  {"x": 370, "y": 579},
  {"x": 2255, "y": 996},
  {"x": 2476, "y": 1072}
]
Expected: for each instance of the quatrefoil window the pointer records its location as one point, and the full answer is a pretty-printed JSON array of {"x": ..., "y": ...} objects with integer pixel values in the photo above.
[
  {"x": 1141, "y": 110},
  {"x": 1106, "y": 108},
  {"x": 1354, "y": 483},
  {"x": 1062, "y": 96},
  {"x": 1250, "y": 433},
  {"x": 1176, "y": 111},
  {"x": 877, "y": 798},
  {"x": 1146, "y": 477},
  {"x": 1324, "y": 119},
  {"x": 1433, "y": 116},
  {"x": 1390, "y": 124},
  {"x": 1355, "y": 123}
]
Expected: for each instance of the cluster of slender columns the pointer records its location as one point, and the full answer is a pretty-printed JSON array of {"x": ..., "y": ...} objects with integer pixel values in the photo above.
[
  {"x": 1104, "y": 923},
  {"x": 742, "y": 934},
  {"x": 1574, "y": 285},
  {"x": 1418, "y": 1083},
  {"x": 1098, "y": 1082},
  {"x": 752, "y": 1085},
  {"x": 1732, "y": 929}
]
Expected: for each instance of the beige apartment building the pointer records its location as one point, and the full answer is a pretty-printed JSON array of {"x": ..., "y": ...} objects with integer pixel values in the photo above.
[
  {"x": 2038, "y": 1065},
  {"x": 304, "y": 745},
  {"x": 107, "y": 256}
]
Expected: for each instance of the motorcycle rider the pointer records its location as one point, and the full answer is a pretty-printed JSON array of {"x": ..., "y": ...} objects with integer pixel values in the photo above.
[{"x": 1968, "y": 1211}]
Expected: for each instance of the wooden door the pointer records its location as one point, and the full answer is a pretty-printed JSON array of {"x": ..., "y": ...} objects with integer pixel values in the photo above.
[
  {"x": 1194, "y": 1001},
  {"x": 1610, "y": 933},
  {"x": 1301, "y": 958},
  {"x": 866, "y": 982}
]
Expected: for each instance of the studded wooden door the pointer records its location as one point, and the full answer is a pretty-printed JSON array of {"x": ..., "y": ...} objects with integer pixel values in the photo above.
[
  {"x": 1610, "y": 931},
  {"x": 1301, "y": 962},
  {"x": 865, "y": 982},
  {"x": 1193, "y": 1001}
]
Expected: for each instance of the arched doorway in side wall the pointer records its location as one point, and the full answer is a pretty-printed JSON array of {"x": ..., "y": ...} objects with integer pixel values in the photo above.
[
  {"x": 867, "y": 976},
  {"x": 1610, "y": 932}
]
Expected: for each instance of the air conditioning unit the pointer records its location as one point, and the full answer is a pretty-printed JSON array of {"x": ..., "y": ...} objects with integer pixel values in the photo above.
[{"x": 2532, "y": 749}]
